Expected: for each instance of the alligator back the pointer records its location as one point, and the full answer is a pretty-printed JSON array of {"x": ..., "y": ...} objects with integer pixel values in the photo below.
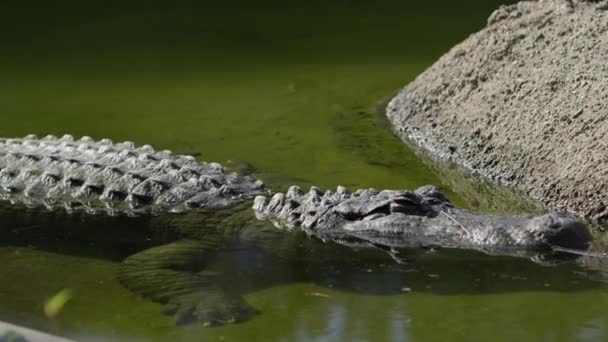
[{"x": 101, "y": 176}]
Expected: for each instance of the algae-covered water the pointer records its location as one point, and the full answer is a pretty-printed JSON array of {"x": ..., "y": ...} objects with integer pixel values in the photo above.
[{"x": 294, "y": 88}]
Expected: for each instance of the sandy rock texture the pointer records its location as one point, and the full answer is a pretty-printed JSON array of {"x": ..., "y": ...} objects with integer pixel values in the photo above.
[{"x": 523, "y": 102}]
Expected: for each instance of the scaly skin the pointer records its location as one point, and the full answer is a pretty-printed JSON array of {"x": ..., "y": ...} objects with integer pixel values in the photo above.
[{"x": 116, "y": 178}]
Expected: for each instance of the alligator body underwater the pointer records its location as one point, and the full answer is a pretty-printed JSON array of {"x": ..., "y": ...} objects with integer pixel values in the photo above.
[{"x": 103, "y": 177}]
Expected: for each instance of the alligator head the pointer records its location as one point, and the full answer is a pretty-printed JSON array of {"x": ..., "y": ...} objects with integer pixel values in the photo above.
[{"x": 401, "y": 218}]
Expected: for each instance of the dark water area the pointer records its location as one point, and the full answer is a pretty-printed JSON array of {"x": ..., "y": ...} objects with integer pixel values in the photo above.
[{"x": 294, "y": 89}]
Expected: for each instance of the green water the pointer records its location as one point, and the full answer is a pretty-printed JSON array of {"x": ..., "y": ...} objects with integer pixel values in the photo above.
[{"x": 293, "y": 89}]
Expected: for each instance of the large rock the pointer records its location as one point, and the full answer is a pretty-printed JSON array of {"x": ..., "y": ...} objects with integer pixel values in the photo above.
[{"x": 523, "y": 102}]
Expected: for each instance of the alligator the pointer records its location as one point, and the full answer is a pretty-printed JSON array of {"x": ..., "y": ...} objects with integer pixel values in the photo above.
[{"x": 211, "y": 207}]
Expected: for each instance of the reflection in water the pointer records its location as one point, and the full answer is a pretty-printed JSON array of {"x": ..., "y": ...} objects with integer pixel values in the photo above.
[
  {"x": 342, "y": 323},
  {"x": 335, "y": 318}
]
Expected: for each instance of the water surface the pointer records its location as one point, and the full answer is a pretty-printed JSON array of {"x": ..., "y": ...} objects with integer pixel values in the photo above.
[{"x": 292, "y": 89}]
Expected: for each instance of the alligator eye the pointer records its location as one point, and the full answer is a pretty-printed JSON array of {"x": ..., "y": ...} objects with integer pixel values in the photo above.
[{"x": 383, "y": 209}]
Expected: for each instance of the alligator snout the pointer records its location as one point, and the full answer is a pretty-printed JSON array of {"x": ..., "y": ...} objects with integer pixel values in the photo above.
[{"x": 564, "y": 230}]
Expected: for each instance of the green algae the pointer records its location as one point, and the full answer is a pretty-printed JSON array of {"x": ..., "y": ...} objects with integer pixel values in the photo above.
[{"x": 291, "y": 89}]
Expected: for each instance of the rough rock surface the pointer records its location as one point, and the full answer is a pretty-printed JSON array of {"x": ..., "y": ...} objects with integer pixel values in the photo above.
[{"x": 523, "y": 102}]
